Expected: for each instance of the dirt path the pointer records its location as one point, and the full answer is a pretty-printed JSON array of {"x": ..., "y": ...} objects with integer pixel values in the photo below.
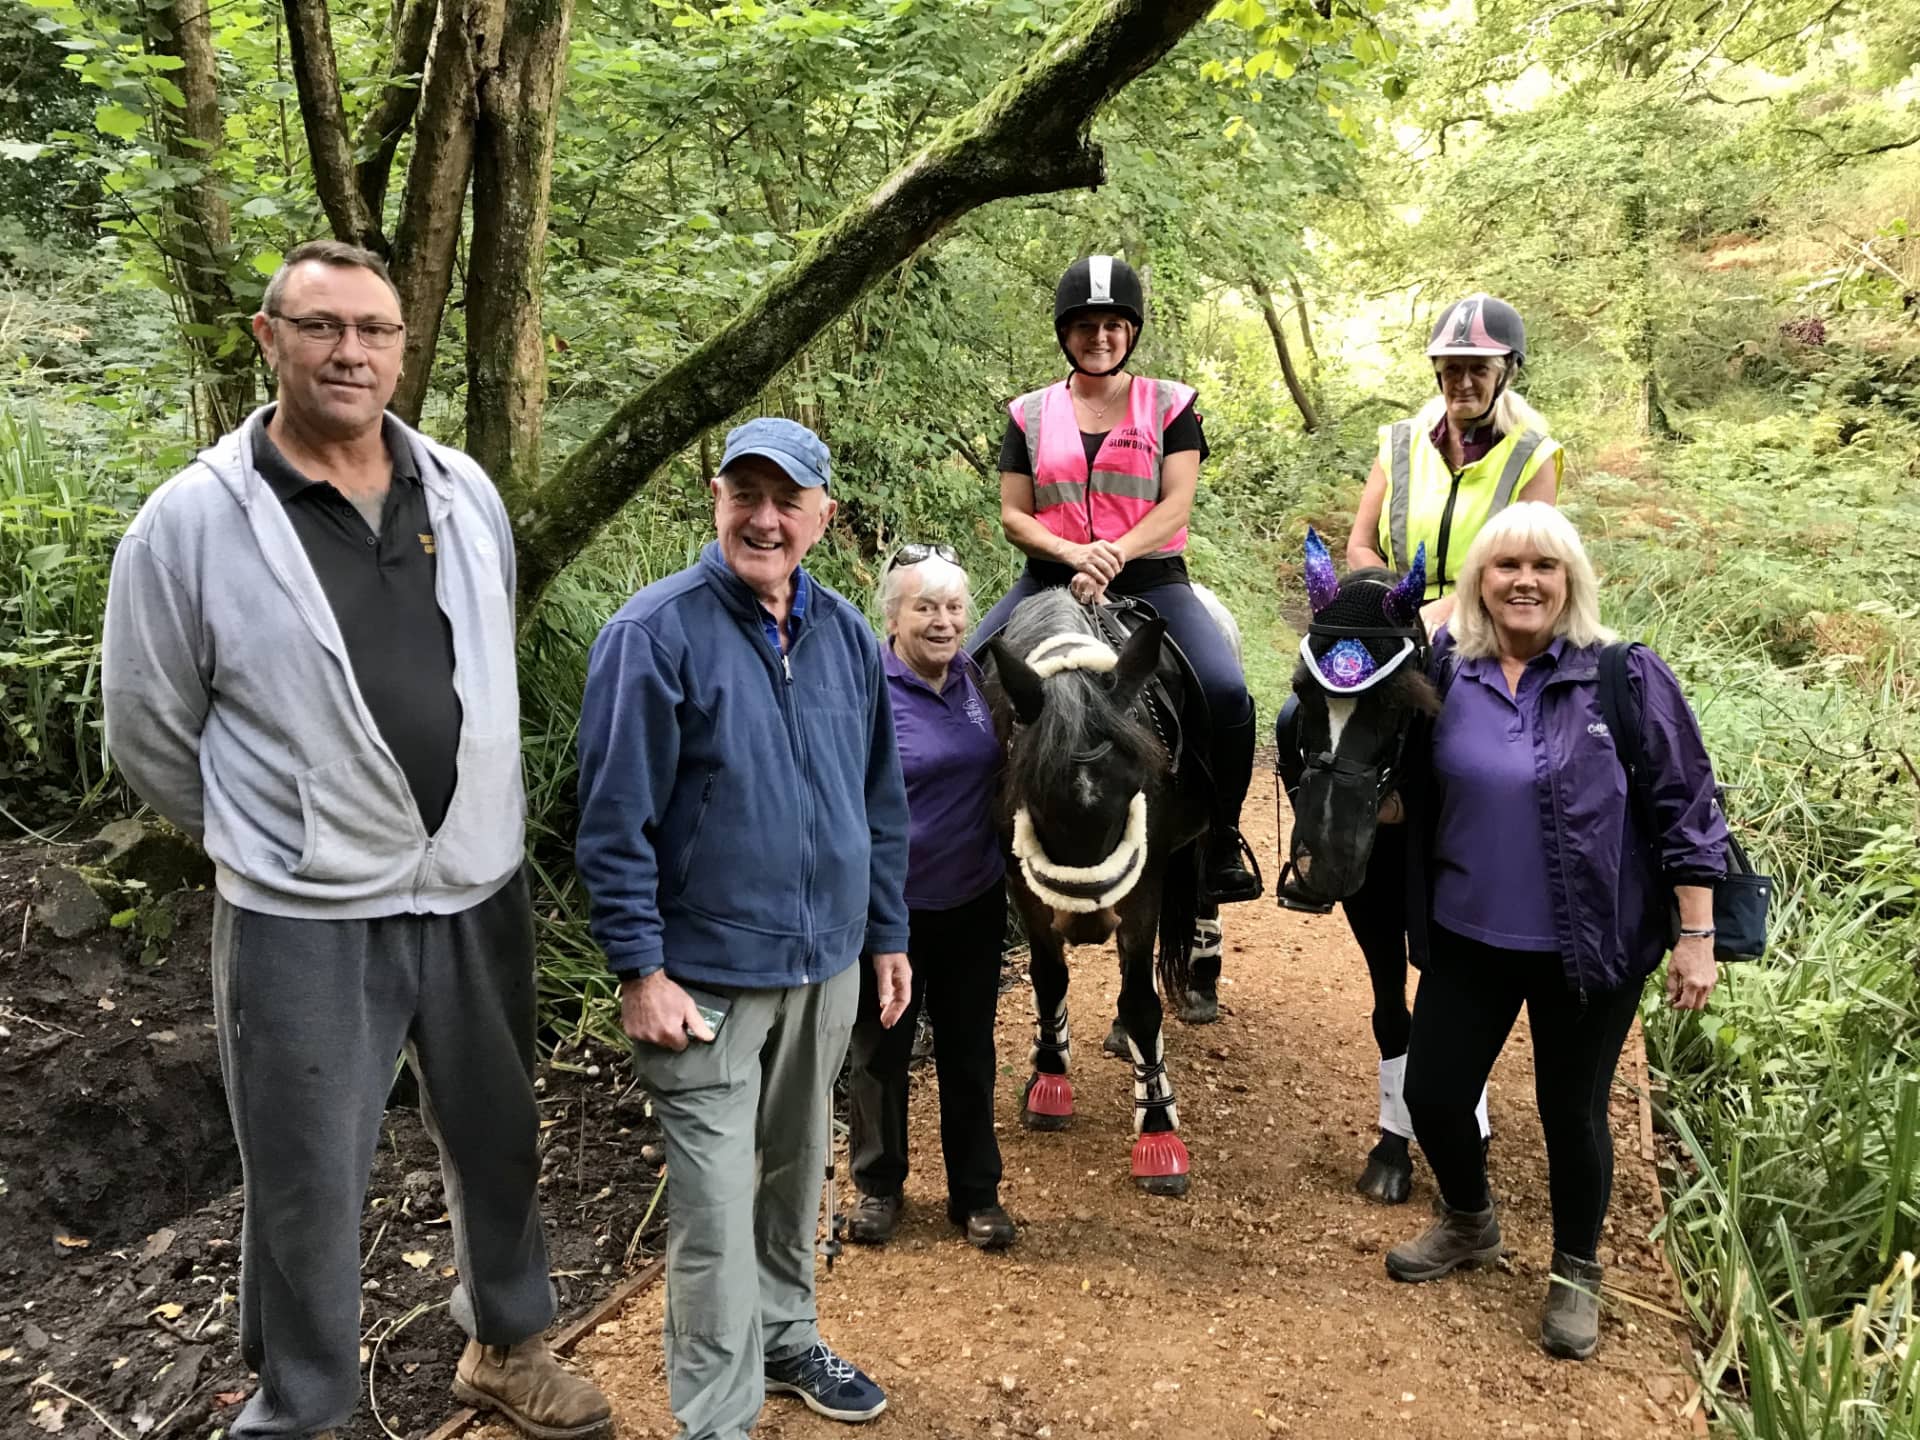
[{"x": 1257, "y": 1305}]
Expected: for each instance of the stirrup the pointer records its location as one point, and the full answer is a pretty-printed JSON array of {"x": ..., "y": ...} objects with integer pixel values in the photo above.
[{"x": 1242, "y": 851}]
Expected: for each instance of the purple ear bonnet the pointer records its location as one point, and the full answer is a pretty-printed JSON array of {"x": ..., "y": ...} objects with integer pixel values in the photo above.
[
  {"x": 1322, "y": 583},
  {"x": 1402, "y": 605},
  {"x": 1347, "y": 665}
]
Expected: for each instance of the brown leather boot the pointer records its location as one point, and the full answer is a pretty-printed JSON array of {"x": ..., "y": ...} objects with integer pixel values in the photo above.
[
  {"x": 526, "y": 1384},
  {"x": 1458, "y": 1238}
]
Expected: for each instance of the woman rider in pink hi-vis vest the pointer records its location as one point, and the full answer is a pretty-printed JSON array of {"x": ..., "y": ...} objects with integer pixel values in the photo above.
[{"x": 1097, "y": 474}]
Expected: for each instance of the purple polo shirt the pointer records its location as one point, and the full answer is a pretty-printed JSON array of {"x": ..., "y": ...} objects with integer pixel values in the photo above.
[
  {"x": 951, "y": 761},
  {"x": 1490, "y": 854}
]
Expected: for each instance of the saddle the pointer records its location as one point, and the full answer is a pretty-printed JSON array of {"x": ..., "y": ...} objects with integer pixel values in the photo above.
[{"x": 1176, "y": 704}]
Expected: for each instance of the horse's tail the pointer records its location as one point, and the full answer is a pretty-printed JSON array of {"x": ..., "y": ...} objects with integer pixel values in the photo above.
[{"x": 1179, "y": 908}]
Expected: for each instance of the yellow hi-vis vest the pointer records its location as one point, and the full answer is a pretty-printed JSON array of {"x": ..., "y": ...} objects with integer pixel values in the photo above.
[{"x": 1427, "y": 501}]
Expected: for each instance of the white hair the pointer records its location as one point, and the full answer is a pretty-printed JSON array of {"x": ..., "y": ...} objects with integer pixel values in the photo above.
[
  {"x": 1531, "y": 524},
  {"x": 939, "y": 580},
  {"x": 1511, "y": 412}
]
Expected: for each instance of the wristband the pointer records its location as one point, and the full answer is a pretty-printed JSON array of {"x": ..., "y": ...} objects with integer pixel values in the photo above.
[{"x": 1706, "y": 934}]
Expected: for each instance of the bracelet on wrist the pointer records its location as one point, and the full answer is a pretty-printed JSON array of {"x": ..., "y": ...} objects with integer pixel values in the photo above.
[{"x": 1706, "y": 934}]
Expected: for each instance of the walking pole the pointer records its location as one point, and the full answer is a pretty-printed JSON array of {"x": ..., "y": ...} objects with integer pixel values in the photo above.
[{"x": 832, "y": 1246}]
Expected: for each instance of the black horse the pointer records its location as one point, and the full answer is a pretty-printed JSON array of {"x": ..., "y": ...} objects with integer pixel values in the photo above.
[
  {"x": 1358, "y": 690},
  {"x": 1105, "y": 831}
]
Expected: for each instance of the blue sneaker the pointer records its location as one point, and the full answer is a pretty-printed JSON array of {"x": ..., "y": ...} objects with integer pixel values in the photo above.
[{"x": 831, "y": 1386}]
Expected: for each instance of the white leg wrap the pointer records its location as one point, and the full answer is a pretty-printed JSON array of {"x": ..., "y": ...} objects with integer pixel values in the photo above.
[
  {"x": 1393, "y": 1099},
  {"x": 1058, "y": 1028},
  {"x": 1480, "y": 1114},
  {"x": 1206, "y": 939},
  {"x": 1158, "y": 1088}
]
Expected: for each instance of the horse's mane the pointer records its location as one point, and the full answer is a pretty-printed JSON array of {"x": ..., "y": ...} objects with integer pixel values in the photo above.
[{"x": 1079, "y": 716}]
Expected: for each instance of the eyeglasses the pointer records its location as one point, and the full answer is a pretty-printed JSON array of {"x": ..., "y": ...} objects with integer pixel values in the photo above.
[
  {"x": 914, "y": 554},
  {"x": 325, "y": 330}
]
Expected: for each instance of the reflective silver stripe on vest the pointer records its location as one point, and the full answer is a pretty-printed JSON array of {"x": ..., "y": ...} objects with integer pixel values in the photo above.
[
  {"x": 1067, "y": 493},
  {"x": 1132, "y": 487},
  {"x": 1399, "y": 491},
  {"x": 1160, "y": 448},
  {"x": 1523, "y": 448},
  {"x": 1031, "y": 414}
]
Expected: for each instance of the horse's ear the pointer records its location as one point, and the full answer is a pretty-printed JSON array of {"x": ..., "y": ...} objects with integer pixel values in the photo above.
[
  {"x": 1138, "y": 659},
  {"x": 1322, "y": 583},
  {"x": 1022, "y": 686},
  {"x": 1402, "y": 603}
]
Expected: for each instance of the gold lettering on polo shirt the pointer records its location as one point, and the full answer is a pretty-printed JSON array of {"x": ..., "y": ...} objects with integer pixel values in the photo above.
[{"x": 426, "y": 541}]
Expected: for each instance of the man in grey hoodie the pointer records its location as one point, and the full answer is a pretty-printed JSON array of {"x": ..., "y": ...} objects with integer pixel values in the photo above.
[{"x": 310, "y": 666}]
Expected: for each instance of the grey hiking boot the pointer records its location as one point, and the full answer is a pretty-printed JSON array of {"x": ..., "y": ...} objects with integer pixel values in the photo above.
[
  {"x": 1459, "y": 1238},
  {"x": 1570, "y": 1325}
]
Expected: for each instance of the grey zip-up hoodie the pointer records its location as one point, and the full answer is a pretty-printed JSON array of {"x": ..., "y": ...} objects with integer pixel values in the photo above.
[{"x": 232, "y": 708}]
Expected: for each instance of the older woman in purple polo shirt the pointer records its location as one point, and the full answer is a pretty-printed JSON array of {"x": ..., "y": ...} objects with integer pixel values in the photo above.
[
  {"x": 956, "y": 910},
  {"x": 1545, "y": 891}
]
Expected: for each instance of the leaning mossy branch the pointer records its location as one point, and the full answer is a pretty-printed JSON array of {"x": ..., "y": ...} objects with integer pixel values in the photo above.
[{"x": 1028, "y": 137}]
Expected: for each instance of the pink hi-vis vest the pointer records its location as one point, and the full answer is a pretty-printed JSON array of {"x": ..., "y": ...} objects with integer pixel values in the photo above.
[{"x": 1125, "y": 480}]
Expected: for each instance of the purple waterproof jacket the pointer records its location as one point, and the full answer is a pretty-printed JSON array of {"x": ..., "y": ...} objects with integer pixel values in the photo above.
[{"x": 1612, "y": 885}]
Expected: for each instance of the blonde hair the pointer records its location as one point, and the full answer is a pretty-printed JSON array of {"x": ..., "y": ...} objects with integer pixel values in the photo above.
[
  {"x": 1511, "y": 412},
  {"x": 939, "y": 579},
  {"x": 1535, "y": 525}
]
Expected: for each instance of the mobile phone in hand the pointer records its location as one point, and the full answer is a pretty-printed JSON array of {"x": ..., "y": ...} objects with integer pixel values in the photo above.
[{"x": 713, "y": 1008}]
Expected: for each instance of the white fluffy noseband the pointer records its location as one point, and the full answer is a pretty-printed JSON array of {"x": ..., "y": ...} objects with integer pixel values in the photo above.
[
  {"x": 1074, "y": 650},
  {"x": 1118, "y": 873}
]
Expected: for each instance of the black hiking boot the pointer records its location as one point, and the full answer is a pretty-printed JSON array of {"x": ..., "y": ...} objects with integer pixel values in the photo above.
[
  {"x": 873, "y": 1220},
  {"x": 1570, "y": 1325},
  {"x": 1459, "y": 1238}
]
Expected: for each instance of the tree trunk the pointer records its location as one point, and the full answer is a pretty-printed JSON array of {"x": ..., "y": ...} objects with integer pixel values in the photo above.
[
  {"x": 387, "y": 121},
  {"x": 1641, "y": 338},
  {"x": 519, "y": 89},
  {"x": 1026, "y": 138},
  {"x": 427, "y": 235},
  {"x": 1309, "y": 418},
  {"x": 1306, "y": 330},
  {"x": 199, "y": 239},
  {"x": 316, "y": 75}
]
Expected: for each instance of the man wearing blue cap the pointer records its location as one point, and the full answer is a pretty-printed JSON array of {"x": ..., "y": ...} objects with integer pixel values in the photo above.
[{"x": 743, "y": 835}]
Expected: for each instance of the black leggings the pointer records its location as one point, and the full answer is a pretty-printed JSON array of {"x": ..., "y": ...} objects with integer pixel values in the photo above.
[
  {"x": 1470, "y": 995},
  {"x": 1377, "y": 911}
]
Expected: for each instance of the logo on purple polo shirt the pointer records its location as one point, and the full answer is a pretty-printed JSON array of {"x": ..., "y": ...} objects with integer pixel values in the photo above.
[
  {"x": 977, "y": 713},
  {"x": 1347, "y": 664}
]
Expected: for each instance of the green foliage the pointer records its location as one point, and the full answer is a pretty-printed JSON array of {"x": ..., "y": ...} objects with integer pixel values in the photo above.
[{"x": 58, "y": 527}]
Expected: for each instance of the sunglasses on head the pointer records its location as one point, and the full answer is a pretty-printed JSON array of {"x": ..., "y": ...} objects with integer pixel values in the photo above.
[{"x": 914, "y": 554}]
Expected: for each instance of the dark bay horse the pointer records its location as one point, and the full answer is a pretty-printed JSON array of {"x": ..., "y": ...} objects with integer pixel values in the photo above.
[
  {"x": 1358, "y": 690},
  {"x": 1104, "y": 831}
]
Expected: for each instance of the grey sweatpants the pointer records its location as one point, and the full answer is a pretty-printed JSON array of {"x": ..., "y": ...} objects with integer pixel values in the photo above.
[
  {"x": 745, "y": 1119},
  {"x": 312, "y": 1015}
]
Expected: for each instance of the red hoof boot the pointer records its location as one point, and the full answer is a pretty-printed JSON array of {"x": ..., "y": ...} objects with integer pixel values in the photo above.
[
  {"x": 1160, "y": 1163},
  {"x": 1049, "y": 1103}
]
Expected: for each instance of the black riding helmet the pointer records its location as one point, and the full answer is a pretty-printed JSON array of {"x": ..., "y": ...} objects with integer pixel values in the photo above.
[
  {"x": 1481, "y": 324},
  {"x": 1099, "y": 282}
]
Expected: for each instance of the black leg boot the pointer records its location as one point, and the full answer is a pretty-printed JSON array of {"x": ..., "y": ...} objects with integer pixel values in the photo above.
[{"x": 1231, "y": 877}]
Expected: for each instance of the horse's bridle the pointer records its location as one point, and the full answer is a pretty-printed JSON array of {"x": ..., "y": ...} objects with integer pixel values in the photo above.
[{"x": 1330, "y": 769}]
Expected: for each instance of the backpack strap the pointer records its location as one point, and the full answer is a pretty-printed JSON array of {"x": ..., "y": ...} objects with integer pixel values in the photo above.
[{"x": 1621, "y": 710}]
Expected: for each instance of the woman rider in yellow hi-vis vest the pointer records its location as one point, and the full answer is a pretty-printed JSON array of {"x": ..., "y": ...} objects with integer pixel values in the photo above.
[{"x": 1471, "y": 451}]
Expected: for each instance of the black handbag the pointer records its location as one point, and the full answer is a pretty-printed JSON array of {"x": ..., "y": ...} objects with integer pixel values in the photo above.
[{"x": 1741, "y": 897}]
